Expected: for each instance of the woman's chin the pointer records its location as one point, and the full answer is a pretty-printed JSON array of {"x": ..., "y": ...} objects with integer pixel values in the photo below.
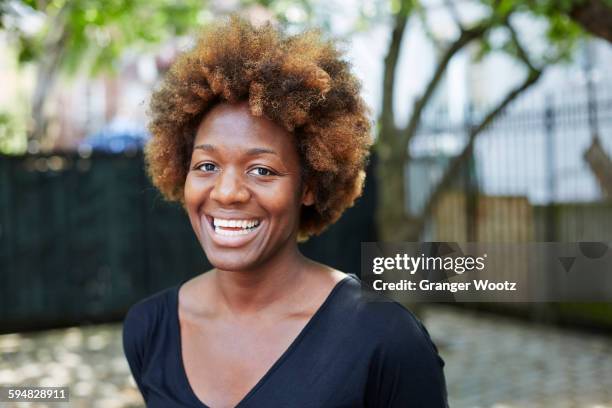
[
  {"x": 224, "y": 264},
  {"x": 228, "y": 258}
]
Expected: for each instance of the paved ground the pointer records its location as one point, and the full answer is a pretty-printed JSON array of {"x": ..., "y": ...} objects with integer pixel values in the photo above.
[
  {"x": 490, "y": 362},
  {"x": 89, "y": 360},
  {"x": 502, "y": 363}
]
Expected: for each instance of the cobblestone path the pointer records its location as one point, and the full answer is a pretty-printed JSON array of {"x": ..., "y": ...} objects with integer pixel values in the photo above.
[
  {"x": 500, "y": 362},
  {"x": 491, "y": 362}
]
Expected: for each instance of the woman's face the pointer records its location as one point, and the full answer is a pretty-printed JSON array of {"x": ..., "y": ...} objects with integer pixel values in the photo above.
[{"x": 242, "y": 191}]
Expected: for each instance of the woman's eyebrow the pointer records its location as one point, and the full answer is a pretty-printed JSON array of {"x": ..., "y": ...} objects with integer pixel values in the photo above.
[
  {"x": 260, "y": 150},
  {"x": 206, "y": 147},
  {"x": 251, "y": 152}
]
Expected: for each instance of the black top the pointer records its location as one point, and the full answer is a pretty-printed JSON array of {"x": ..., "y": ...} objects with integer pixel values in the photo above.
[{"x": 352, "y": 353}]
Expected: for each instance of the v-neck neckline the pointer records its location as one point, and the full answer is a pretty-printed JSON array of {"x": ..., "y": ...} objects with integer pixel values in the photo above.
[{"x": 272, "y": 369}]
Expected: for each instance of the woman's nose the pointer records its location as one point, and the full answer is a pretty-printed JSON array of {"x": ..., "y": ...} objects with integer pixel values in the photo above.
[{"x": 229, "y": 188}]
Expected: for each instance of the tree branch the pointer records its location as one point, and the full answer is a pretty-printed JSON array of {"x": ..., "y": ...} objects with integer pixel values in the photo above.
[
  {"x": 520, "y": 50},
  {"x": 465, "y": 38},
  {"x": 455, "y": 164},
  {"x": 388, "y": 114}
]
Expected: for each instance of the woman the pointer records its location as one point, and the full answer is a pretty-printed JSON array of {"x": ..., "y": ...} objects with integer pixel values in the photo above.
[{"x": 263, "y": 138}]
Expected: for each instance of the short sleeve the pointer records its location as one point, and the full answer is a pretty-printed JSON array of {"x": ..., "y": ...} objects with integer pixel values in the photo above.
[
  {"x": 406, "y": 370},
  {"x": 135, "y": 334}
]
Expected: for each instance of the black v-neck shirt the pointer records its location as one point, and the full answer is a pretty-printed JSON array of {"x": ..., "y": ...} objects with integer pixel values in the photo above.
[{"x": 353, "y": 352}]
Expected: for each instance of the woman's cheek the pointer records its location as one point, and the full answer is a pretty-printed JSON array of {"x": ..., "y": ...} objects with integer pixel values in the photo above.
[
  {"x": 194, "y": 190},
  {"x": 279, "y": 199},
  {"x": 194, "y": 193}
]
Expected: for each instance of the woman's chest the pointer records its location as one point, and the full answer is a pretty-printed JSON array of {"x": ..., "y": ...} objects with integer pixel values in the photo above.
[{"x": 225, "y": 361}]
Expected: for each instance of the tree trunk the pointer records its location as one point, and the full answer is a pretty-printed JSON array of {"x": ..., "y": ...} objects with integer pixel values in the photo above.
[
  {"x": 595, "y": 16},
  {"x": 394, "y": 224},
  {"x": 45, "y": 79},
  {"x": 392, "y": 218},
  {"x": 48, "y": 69}
]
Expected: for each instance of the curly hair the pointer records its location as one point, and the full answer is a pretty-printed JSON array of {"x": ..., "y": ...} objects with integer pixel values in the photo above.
[{"x": 300, "y": 82}]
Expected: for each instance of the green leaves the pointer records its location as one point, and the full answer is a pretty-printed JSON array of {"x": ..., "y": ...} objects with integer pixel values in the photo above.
[
  {"x": 563, "y": 33},
  {"x": 96, "y": 32},
  {"x": 12, "y": 140}
]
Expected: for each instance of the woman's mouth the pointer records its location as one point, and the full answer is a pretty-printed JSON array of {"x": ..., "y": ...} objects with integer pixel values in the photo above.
[
  {"x": 232, "y": 232},
  {"x": 234, "y": 227}
]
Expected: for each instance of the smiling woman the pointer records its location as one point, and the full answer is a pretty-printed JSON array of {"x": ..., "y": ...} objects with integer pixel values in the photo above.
[{"x": 263, "y": 138}]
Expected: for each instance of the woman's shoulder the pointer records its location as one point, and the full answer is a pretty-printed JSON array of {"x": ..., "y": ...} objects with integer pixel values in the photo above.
[
  {"x": 139, "y": 326},
  {"x": 391, "y": 323},
  {"x": 143, "y": 317},
  {"x": 403, "y": 351},
  {"x": 150, "y": 306}
]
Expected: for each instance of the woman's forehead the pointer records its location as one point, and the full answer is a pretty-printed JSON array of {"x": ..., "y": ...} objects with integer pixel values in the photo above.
[{"x": 233, "y": 125}]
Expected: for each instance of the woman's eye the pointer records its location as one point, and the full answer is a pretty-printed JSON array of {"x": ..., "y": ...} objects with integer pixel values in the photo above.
[
  {"x": 207, "y": 167},
  {"x": 262, "y": 171}
]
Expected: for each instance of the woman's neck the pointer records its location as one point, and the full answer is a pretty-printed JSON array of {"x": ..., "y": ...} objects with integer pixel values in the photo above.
[{"x": 251, "y": 291}]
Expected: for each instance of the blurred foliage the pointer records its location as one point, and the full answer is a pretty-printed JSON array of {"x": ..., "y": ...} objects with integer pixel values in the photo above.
[
  {"x": 96, "y": 32},
  {"x": 12, "y": 140},
  {"x": 561, "y": 32},
  {"x": 66, "y": 37},
  {"x": 90, "y": 36}
]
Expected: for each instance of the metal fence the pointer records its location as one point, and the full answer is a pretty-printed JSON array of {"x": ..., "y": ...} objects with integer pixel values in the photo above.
[
  {"x": 542, "y": 171},
  {"x": 83, "y": 238}
]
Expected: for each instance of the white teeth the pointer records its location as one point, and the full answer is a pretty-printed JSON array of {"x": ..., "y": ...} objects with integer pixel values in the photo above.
[
  {"x": 244, "y": 224},
  {"x": 229, "y": 233}
]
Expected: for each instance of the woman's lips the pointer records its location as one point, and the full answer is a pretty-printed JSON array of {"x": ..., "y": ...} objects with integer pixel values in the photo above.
[{"x": 231, "y": 233}]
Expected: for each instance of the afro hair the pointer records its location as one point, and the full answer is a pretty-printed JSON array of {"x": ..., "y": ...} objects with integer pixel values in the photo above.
[{"x": 301, "y": 82}]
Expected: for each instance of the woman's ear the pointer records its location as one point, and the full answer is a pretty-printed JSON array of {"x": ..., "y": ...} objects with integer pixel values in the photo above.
[{"x": 307, "y": 195}]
